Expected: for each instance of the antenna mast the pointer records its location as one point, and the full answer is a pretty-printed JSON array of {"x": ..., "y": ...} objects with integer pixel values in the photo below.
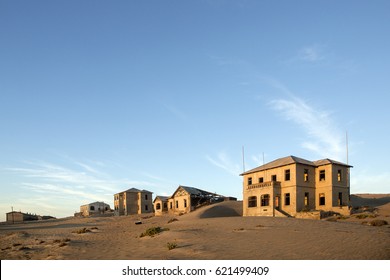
[
  {"x": 243, "y": 159},
  {"x": 346, "y": 142}
]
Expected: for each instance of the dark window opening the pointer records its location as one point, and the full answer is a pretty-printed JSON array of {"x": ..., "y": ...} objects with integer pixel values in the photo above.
[
  {"x": 287, "y": 199},
  {"x": 322, "y": 175},
  {"x": 306, "y": 199},
  {"x": 252, "y": 201},
  {"x": 273, "y": 178},
  {"x": 250, "y": 181},
  {"x": 146, "y": 197},
  {"x": 340, "y": 199},
  {"x": 322, "y": 199},
  {"x": 146, "y": 208},
  {"x": 185, "y": 203},
  {"x": 261, "y": 180},
  {"x": 339, "y": 177},
  {"x": 92, "y": 208},
  {"x": 306, "y": 175},
  {"x": 265, "y": 200},
  {"x": 158, "y": 206},
  {"x": 287, "y": 175}
]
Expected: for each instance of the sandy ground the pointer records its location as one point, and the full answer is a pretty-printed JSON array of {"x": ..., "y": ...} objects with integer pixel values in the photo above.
[{"x": 213, "y": 232}]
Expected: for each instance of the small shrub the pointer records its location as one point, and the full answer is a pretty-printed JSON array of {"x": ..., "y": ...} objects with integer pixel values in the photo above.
[
  {"x": 365, "y": 215},
  {"x": 16, "y": 244},
  {"x": 172, "y": 245},
  {"x": 153, "y": 231},
  {"x": 80, "y": 231},
  {"x": 378, "y": 223},
  {"x": 172, "y": 220}
]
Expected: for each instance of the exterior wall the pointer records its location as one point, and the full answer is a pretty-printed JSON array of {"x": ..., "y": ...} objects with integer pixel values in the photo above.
[
  {"x": 181, "y": 202},
  {"x": 304, "y": 190},
  {"x": 97, "y": 208},
  {"x": 130, "y": 206},
  {"x": 163, "y": 206},
  {"x": 145, "y": 204},
  {"x": 20, "y": 217}
]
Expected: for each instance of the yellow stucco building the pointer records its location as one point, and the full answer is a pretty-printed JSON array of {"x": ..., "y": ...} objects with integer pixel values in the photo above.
[
  {"x": 133, "y": 201},
  {"x": 289, "y": 185}
]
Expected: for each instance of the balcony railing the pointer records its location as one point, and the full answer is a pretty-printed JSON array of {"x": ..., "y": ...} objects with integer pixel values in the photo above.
[{"x": 264, "y": 185}]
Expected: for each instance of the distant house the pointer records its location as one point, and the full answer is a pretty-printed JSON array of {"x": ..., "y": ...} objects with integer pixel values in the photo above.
[
  {"x": 94, "y": 208},
  {"x": 133, "y": 201},
  {"x": 14, "y": 217},
  {"x": 187, "y": 199},
  {"x": 290, "y": 185},
  {"x": 160, "y": 205}
]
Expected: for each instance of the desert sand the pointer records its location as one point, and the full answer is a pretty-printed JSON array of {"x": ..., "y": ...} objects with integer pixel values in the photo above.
[{"x": 213, "y": 232}]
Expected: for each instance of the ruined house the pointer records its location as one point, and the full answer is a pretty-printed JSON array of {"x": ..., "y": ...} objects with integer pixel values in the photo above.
[
  {"x": 133, "y": 201},
  {"x": 289, "y": 185}
]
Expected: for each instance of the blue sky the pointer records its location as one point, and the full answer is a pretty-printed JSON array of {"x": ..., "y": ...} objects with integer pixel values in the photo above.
[{"x": 100, "y": 96}]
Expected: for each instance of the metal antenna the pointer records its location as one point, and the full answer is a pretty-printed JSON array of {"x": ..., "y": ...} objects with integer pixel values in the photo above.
[{"x": 243, "y": 159}]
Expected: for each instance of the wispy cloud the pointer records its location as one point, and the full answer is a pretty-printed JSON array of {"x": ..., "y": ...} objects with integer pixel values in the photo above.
[
  {"x": 312, "y": 53},
  {"x": 223, "y": 161},
  {"x": 322, "y": 133},
  {"x": 175, "y": 111}
]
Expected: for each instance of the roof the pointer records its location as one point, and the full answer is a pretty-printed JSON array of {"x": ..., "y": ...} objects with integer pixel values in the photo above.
[
  {"x": 193, "y": 191},
  {"x": 329, "y": 161},
  {"x": 162, "y": 198},
  {"x": 135, "y": 190},
  {"x": 292, "y": 160}
]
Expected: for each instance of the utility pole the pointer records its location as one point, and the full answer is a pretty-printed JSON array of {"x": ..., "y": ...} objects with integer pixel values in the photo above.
[{"x": 12, "y": 213}]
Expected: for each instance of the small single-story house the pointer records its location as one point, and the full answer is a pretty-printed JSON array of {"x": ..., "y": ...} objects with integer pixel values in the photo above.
[
  {"x": 94, "y": 208},
  {"x": 160, "y": 205},
  {"x": 186, "y": 199}
]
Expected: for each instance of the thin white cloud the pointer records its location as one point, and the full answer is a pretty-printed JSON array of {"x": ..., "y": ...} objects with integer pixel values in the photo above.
[
  {"x": 223, "y": 161},
  {"x": 311, "y": 53},
  {"x": 323, "y": 135}
]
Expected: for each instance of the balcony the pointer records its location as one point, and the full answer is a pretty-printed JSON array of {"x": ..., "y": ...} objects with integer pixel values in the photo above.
[{"x": 268, "y": 184}]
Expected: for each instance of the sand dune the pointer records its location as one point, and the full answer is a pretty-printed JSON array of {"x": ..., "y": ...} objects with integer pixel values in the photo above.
[{"x": 213, "y": 232}]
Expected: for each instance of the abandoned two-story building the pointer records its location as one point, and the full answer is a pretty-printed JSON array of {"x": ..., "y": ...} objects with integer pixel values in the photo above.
[
  {"x": 133, "y": 201},
  {"x": 289, "y": 185}
]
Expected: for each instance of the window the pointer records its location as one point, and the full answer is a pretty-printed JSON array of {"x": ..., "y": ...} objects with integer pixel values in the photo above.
[
  {"x": 287, "y": 199},
  {"x": 273, "y": 178},
  {"x": 265, "y": 200},
  {"x": 252, "y": 201},
  {"x": 146, "y": 208},
  {"x": 340, "y": 199},
  {"x": 322, "y": 199},
  {"x": 339, "y": 175},
  {"x": 170, "y": 205},
  {"x": 306, "y": 175},
  {"x": 322, "y": 175},
  {"x": 165, "y": 205},
  {"x": 306, "y": 199},
  {"x": 185, "y": 203},
  {"x": 92, "y": 208},
  {"x": 261, "y": 180},
  {"x": 177, "y": 204},
  {"x": 287, "y": 175},
  {"x": 250, "y": 181},
  {"x": 146, "y": 197},
  {"x": 158, "y": 206}
]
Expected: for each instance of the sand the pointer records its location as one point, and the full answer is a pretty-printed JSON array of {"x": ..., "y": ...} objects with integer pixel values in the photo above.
[{"x": 214, "y": 232}]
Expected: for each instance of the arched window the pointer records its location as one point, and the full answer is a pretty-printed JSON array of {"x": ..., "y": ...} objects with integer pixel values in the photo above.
[
  {"x": 252, "y": 201},
  {"x": 158, "y": 206},
  {"x": 265, "y": 200}
]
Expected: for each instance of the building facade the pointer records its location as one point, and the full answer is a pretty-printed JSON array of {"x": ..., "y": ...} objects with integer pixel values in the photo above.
[
  {"x": 160, "y": 205},
  {"x": 133, "y": 201},
  {"x": 290, "y": 185},
  {"x": 187, "y": 199},
  {"x": 94, "y": 208}
]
